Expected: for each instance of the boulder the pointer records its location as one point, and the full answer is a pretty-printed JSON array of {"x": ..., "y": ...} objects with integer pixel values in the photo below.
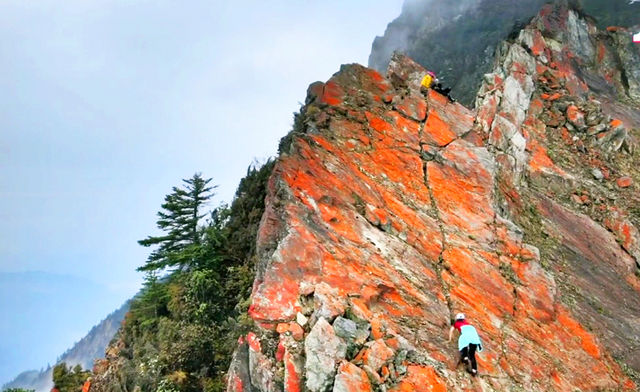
[{"x": 323, "y": 351}]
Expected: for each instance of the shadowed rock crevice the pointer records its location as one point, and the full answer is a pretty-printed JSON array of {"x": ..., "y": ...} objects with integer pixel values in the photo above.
[{"x": 426, "y": 157}]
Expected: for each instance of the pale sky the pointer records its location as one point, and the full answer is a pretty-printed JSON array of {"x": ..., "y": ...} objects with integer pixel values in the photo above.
[{"x": 105, "y": 105}]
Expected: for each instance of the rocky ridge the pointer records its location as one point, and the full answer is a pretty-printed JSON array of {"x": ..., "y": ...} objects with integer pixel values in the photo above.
[
  {"x": 457, "y": 39},
  {"x": 388, "y": 211}
]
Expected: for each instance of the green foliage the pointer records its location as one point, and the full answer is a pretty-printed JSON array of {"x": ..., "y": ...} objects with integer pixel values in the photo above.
[
  {"x": 152, "y": 302},
  {"x": 179, "y": 217},
  {"x": 183, "y": 327},
  {"x": 68, "y": 379},
  {"x": 18, "y": 390}
]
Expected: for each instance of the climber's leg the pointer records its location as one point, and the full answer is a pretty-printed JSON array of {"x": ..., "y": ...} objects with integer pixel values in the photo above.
[
  {"x": 464, "y": 356},
  {"x": 472, "y": 358}
]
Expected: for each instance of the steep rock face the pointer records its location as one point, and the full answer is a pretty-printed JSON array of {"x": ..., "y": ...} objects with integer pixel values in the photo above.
[
  {"x": 390, "y": 211},
  {"x": 457, "y": 39}
]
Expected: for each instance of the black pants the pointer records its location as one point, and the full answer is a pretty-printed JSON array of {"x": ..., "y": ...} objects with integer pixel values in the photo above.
[
  {"x": 470, "y": 352},
  {"x": 444, "y": 91}
]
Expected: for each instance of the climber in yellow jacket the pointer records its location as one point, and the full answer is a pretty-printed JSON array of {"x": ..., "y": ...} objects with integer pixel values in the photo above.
[
  {"x": 428, "y": 80},
  {"x": 431, "y": 81}
]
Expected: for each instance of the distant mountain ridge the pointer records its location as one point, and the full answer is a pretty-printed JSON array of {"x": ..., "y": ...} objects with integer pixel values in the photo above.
[{"x": 83, "y": 353}]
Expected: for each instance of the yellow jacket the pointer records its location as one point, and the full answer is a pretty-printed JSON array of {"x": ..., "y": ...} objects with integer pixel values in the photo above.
[{"x": 427, "y": 81}]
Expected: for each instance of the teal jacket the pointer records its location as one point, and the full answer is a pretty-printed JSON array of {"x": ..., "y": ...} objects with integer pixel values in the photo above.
[{"x": 468, "y": 335}]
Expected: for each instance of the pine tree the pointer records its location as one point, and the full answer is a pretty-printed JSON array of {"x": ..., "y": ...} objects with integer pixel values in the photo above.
[
  {"x": 69, "y": 379},
  {"x": 179, "y": 217}
]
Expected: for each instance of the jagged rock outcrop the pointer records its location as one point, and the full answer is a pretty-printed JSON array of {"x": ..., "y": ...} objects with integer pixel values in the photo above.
[
  {"x": 388, "y": 211},
  {"x": 457, "y": 39},
  {"x": 577, "y": 164}
]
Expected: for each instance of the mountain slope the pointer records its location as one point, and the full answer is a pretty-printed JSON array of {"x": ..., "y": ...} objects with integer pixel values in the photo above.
[
  {"x": 458, "y": 39},
  {"x": 83, "y": 353},
  {"x": 390, "y": 211}
]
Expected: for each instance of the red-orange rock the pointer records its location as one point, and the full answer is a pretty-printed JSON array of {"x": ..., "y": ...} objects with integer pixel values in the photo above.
[
  {"x": 626, "y": 233},
  {"x": 414, "y": 107},
  {"x": 377, "y": 355},
  {"x": 436, "y": 132},
  {"x": 293, "y": 373},
  {"x": 351, "y": 378},
  {"x": 615, "y": 123},
  {"x": 254, "y": 342},
  {"x": 296, "y": 331},
  {"x": 575, "y": 116},
  {"x": 624, "y": 182},
  {"x": 280, "y": 351},
  {"x": 420, "y": 378},
  {"x": 551, "y": 97}
]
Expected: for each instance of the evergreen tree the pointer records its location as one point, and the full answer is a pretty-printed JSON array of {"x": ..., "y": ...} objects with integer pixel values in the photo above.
[
  {"x": 187, "y": 322},
  {"x": 179, "y": 217},
  {"x": 68, "y": 379},
  {"x": 152, "y": 300}
]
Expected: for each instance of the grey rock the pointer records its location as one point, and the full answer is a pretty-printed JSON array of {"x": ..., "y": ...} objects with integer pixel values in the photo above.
[
  {"x": 562, "y": 105},
  {"x": 578, "y": 37},
  {"x": 614, "y": 140},
  {"x": 597, "y": 174},
  {"x": 593, "y": 118},
  {"x": 239, "y": 369},
  {"x": 261, "y": 372},
  {"x": 352, "y": 332},
  {"x": 345, "y": 328},
  {"x": 630, "y": 61},
  {"x": 399, "y": 360},
  {"x": 594, "y": 130},
  {"x": 323, "y": 350}
]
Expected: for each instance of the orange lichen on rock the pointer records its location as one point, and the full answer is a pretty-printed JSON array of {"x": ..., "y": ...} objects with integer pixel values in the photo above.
[
  {"x": 332, "y": 94},
  {"x": 615, "y": 123},
  {"x": 576, "y": 331},
  {"x": 540, "y": 160},
  {"x": 377, "y": 355},
  {"x": 254, "y": 342},
  {"x": 437, "y": 132},
  {"x": 420, "y": 378},
  {"x": 539, "y": 45},
  {"x": 412, "y": 106},
  {"x": 293, "y": 379},
  {"x": 351, "y": 378},
  {"x": 624, "y": 182}
]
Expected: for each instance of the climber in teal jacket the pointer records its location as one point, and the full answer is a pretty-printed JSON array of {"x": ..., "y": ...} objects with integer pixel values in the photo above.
[{"x": 468, "y": 342}]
